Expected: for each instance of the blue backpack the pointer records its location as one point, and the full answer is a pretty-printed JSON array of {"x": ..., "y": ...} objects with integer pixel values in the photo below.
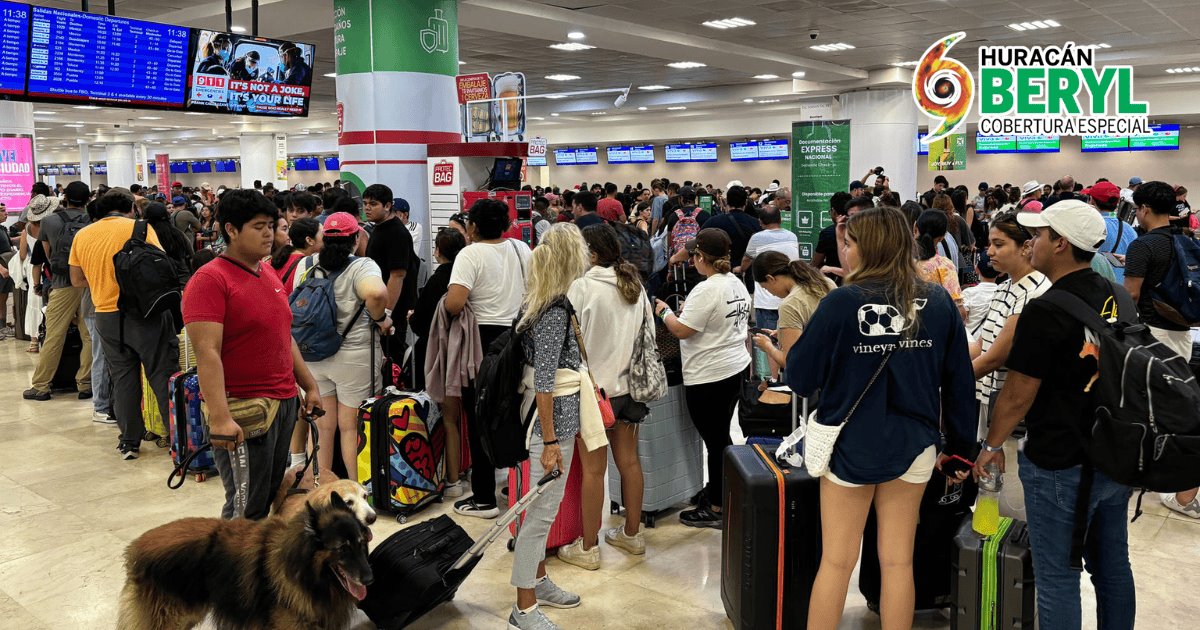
[
  {"x": 314, "y": 314},
  {"x": 1177, "y": 297}
]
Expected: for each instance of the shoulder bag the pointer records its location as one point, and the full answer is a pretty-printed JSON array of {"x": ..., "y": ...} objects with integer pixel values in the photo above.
[
  {"x": 647, "y": 376},
  {"x": 819, "y": 439},
  {"x": 606, "y": 410}
]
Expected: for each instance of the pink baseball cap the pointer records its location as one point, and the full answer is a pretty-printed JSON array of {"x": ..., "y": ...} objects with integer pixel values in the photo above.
[{"x": 341, "y": 224}]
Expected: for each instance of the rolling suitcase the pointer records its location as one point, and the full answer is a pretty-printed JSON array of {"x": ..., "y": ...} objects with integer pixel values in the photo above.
[
  {"x": 771, "y": 541},
  {"x": 186, "y": 429},
  {"x": 20, "y": 302},
  {"x": 568, "y": 524},
  {"x": 420, "y": 567},
  {"x": 401, "y": 452},
  {"x": 156, "y": 429},
  {"x": 68, "y": 364},
  {"x": 672, "y": 458},
  {"x": 993, "y": 579}
]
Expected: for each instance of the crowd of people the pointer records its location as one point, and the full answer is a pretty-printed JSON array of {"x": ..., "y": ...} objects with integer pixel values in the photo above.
[{"x": 954, "y": 277}]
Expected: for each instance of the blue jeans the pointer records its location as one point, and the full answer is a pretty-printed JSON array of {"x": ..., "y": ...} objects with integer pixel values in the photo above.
[
  {"x": 1050, "y": 506},
  {"x": 101, "y": 384},
  {"x": 766, "y": 318}
]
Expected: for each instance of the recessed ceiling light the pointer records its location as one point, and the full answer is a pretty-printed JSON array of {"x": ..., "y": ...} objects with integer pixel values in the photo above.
[
  {"x": 643, "y": 108},
  {"x": 676, "y": 108},
  {"x": 747, "y": 100},
  {"x": 905, "y": 64},
  {"x": 766, "y": 76},
  {"x": 87, "y": 107},
  {"x": 555, "y": 97},
  {"x": 73, "y": 125},
  {"x": 575, "y": 35},
  {"x": 554, "y": 114},
  {"x": 1034, "y": 25},
  {"x": 196, "y": 114},
  {"x": 535, "y": 118},
  {"x": 149, "y": 117},
  {"x": 799, "y": 74},
  {"x": 238, "y": 29},
  {"x": 1097, "y": 46},
  {"x": 654, "y": 88},
  {"x": 45, "y": 113},
  {"x": 41, "y": 129},
  {"x": 461, "y": 62},
  {"x": 768, "y": 100},
  {"x": 1183, "y": 70},
  {"x": 832, "y": 47},
  {"x": 561, "y": 77},
  {"x": 728, "y": 23},
  {"x": 331, "y": 75},
  {"x": 686, "y": 65},
  {"x": 160, "y": 129},
  {"x": 599, "y": 113},
  {"x": 571, "y": 46}
]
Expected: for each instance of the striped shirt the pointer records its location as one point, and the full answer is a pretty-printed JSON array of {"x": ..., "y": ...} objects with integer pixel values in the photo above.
[{"x": 1008, "y": 300}]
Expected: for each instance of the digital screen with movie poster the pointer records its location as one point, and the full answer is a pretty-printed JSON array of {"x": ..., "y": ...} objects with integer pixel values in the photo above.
[{"x": 240, "y": 74}]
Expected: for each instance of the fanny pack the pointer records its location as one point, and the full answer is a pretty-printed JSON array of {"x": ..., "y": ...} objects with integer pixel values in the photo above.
[{"x": 254, "y": 415}]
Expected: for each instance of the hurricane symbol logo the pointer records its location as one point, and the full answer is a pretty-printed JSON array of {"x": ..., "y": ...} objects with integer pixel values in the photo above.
[{"x": 943, "y": 87}]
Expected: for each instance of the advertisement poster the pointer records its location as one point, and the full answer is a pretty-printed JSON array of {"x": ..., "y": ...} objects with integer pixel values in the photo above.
[
  {"x": 949, "y": 153},
  {"x": 820, "y": 168},
  {"x": 162, "y": 168},
  {"x": 477, "y": 117},
  {"x": 240, "y": 74},
  {"x": 281, "y": 161},
  {"x": 537, "y": 152},
  {"x": 508, "y": 116},
  {"x": 16, "y": 172}
]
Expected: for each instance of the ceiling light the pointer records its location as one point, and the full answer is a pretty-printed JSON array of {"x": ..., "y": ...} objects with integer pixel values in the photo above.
[
  {"x": 766, "y": 76},
  {"x": 555, "y": 97},
  {"x": 331, "y": 75},
  {"x": 571, "y": 46},
  {"x": 686, "y": 65},
  {"x": 561, "y": 77},
  {"x": 799, "y": 74},
  {"x": 160, "y": 129},
  {"x": 768, "y": 100},
  {"x": 73, "y": 125},
  {"x": 41, "y": 129},
  {"x": 196, "y": 114},
  {"x": 535, "y": 118},
  {"x": 461, "y": 62},
  {"x": 149, "y": 117},
  {"x": 747, "y": 100},
  {"x": 1035, "y": 25},
  {"x": 45, "y": 113},
  {"x": 238, "y": 29},
  {"x": 599, "y": 113},
  {"x": 676, "y": 108},
  {"x": 832, "y": 47},
  {"x": 727, "y": 23},
  {"x": 654, "y": 88},
  {"x": 575, "y": 35},
  {"x": 643, "y": 108},
  {"x": 554, "y": 114},
  {"x": 87, "y": 107},
  {"x": 906, "y": 64}
]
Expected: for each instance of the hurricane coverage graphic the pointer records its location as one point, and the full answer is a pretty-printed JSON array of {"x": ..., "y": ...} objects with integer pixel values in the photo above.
[{"x": 943, "y": 87}]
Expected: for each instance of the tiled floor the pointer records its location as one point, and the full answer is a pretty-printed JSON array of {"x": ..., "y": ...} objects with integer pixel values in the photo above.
[{"x": 69, "y": 506}]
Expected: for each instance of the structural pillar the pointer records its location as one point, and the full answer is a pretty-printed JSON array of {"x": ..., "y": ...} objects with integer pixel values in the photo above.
[
  {"x": 121, "y": 171},
  {"x": 18, "y": 170},
  {"x": 396, "y": 63},
  {"x": 258, "y": 158},
  {"x": 85, "y": 163},
  {"x": 883, "y": 130}
]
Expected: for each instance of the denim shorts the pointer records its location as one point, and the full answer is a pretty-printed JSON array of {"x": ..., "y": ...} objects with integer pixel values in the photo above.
[{"x": 628, "y": 410}]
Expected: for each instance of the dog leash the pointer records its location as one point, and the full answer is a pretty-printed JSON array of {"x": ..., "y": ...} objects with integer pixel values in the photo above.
[{"x": 309, "y": 460}]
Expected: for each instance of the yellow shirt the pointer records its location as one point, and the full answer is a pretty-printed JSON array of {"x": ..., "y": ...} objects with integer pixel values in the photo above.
[{"x": 93, "y": 250}]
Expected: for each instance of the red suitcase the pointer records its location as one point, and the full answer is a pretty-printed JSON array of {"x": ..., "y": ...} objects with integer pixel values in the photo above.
[{"x": 568, "y": 525}]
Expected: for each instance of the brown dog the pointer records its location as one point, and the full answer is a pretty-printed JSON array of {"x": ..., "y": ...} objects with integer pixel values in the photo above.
[{"x": 290, "y": 504}]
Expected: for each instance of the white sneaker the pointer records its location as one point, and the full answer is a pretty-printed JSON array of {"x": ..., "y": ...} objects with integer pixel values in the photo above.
[
  {"x": 453, "y": 490},
  {"x": 103, "y": 418},
  {"x": 575, "y": 554},
  {"x": 635, "y": 544},
  {"x": 1191, "y": 510}
]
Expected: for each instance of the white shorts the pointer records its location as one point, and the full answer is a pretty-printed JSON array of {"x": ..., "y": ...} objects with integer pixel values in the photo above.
[
  {"x": 920, "y": 472},
  {"x": 347, "y": 375}
]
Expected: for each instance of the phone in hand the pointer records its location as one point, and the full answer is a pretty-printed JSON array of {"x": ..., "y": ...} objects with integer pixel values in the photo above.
[
  {"x": 1113, "y": 260},
  {"x": 955, "y": 464}
]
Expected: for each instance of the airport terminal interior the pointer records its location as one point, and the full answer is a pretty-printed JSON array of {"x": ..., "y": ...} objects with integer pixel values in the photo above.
[{"x": 799, "y": 115}]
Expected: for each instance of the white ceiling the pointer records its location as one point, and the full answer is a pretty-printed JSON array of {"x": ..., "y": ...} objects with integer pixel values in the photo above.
[{"x": 635, "y": 39}]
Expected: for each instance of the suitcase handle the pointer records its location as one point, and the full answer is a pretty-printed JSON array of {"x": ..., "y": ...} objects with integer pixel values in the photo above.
[{"x": 505, "y": 519}]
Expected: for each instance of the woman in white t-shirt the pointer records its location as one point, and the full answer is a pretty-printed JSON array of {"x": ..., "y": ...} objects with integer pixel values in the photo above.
[
  {"x": 712, "y": 330},
  {"x": 490, "y": 275}
]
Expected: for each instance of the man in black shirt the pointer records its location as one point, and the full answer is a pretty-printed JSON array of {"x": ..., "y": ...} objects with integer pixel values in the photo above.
[
  {"x": 583, "y": 206},
  {"x": 736, "y": 223},
  {"x": 826, "y": 254},
  {"x": 1146, "y": 262},
  {"x": 391, "y": 248},
  {"x": 940, "y": 184},
  {"x": 1050, "y": 367}
]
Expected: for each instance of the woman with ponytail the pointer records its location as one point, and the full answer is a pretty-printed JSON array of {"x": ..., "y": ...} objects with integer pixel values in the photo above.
[
  {"x": 611, "y": 306},
  {"x": 800, "y": 286},
  {"x": 712, "y": 330},
  {"x": 930, "y": 231}
]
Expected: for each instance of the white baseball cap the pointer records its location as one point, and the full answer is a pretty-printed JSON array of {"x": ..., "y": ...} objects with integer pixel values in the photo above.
[
  {"x": 1072, "y": 219},
  {"x": 1030, "y": 186}
]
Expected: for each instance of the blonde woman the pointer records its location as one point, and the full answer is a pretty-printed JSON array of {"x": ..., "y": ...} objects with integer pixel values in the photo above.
[{"x": 551, "y": 354}]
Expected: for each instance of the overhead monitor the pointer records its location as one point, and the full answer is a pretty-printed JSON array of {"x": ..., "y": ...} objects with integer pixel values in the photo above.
[
  {"x": 641, "y": 154},
  {"x": 307, "y": 164},
  {"x": 506, "y": 173},
  {"x": 100, "y": 169},
  {"x": 577, "y": 156},
  {"x": 226, "y": 166},
  {"x": 1160, "y": 138},
  {"x": 14, "y": 48},
  {"x": 536, "y": 160},
  {"x": 618, "y": 154},
  {"x": 241, "y": 74},
  {"x": 743, "y": 151},
  {"x": 179, "y": 167},
  {"x": 995, "y": 144},
  {"x": 776, "y": 149},
  {"x": 332, "y": 164},
  {"x": 922, "y": 148},
  {"x": 1038, "y": 143},
  {"x": 202, "y": 166},
  {"x": 92, "y": 58},
  {"x": 1103, "y": 142}
]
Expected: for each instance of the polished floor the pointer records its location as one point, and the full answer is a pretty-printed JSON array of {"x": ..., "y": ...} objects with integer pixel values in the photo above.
[{"x": 69, "y": 506}]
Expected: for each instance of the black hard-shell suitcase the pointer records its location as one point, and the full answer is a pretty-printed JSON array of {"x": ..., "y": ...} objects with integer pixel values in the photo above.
[
  {"x": 942, "y": 510},
  {"x": 771, "y": 541},
  {"x": 68, "y": 363},
  {"x": 1009, "y": 599},
  {"x": 420, "y": 567}
]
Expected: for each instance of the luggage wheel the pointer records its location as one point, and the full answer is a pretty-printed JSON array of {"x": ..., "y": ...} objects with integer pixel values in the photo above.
[
  {"x": 402, "y": 518},
  {"x": 512, "y": 544},
  {"x": 614, "y": 507},
  {"x": 648, "y": 518},
  {"x": 873, "y": 606},
  {"x": 162, "y": 443}
]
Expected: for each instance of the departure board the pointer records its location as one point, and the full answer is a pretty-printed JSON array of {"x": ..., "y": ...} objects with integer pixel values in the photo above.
[
  {"x": 14, "y": 47},
  {"x": 110, "y": 60}
]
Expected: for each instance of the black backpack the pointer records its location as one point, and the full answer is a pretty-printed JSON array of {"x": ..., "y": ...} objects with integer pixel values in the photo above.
[
  {"x": 149, "y": 280},
  {"x": 635, "y": 249},
  {"x": 1146, "y": 432},
  {"x": 498, "y": 403},
  {"x": 60, "y": 254}
]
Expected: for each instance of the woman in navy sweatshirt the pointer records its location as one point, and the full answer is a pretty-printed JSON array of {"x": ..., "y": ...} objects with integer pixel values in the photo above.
[{"x": 887, "y": 452}]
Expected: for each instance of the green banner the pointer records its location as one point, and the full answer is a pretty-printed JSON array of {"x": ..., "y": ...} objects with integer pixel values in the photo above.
[
  {"x": 408, "y": 36},
  {"x": 949, "y": 153},
  {"x": 820, "y": 168}
]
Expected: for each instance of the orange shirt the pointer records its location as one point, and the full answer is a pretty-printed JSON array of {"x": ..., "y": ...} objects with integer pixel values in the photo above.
[{"x": 93, "y": 250}]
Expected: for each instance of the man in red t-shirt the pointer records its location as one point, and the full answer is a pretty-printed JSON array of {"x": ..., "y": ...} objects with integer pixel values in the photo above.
[
  {"x": 610, "y": 207},
  {"x": 240, "y": 324}
]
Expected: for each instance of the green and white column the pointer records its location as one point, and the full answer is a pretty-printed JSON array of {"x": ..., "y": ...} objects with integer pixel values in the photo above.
[{"x": 396, "y": 62}]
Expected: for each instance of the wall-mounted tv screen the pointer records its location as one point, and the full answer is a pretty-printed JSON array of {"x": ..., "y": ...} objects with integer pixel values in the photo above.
[
  {"x": 153, "y": 168},
  {"x": 1038, "y": 143},
  {"x": 102, "y": 59},
  {"x": 922, "y": 149},
  {"x": 626, "y": 154},
  {"x": 14, "y": 47},
  {"x": 995, "y": 144},
  {"x": 226, "y": 166},
  {"x": 700, "y": 152},
  {"x": 179, "y": 167},
  {"x": 1160, "y": 138},
  {"x": 308, "y": 164},
  {"x": 758, "y": 150},
  {"x": 1102, "y": 143},
  {"x": 241, "y": 74},
  {"x": 332, "y": 164},
  {"x": 578, "y": 156},
  {"x": 202, "y": 166},
  {"x": 534, "y": 160}
]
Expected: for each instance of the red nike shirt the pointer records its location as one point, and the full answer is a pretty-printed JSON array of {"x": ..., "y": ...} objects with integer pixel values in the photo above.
[{"x": 256, "y": 349}]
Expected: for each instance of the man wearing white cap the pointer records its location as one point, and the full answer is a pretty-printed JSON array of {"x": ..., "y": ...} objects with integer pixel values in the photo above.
[{"x": 1045, "y": 387}]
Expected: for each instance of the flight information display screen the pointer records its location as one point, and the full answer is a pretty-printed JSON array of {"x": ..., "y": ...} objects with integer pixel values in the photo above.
[
  {"x": 104, "y": 59},
  {"x": 14, "y": 47}
]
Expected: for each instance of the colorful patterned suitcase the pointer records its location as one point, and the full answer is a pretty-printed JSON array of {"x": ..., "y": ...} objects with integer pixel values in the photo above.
[
  {"x": 152, "y": 416},
  {"x": 186, "y": 427},
  {"x": 401, "y": 452}
]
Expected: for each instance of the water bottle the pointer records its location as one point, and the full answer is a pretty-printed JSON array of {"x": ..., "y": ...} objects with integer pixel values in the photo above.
[
  {"x": 762, "y": 364},
  {"x": 986, "y": 520}
]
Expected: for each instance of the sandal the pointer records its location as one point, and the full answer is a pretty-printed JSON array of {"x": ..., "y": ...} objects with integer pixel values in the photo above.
[{"x": 33, "y": 348}]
